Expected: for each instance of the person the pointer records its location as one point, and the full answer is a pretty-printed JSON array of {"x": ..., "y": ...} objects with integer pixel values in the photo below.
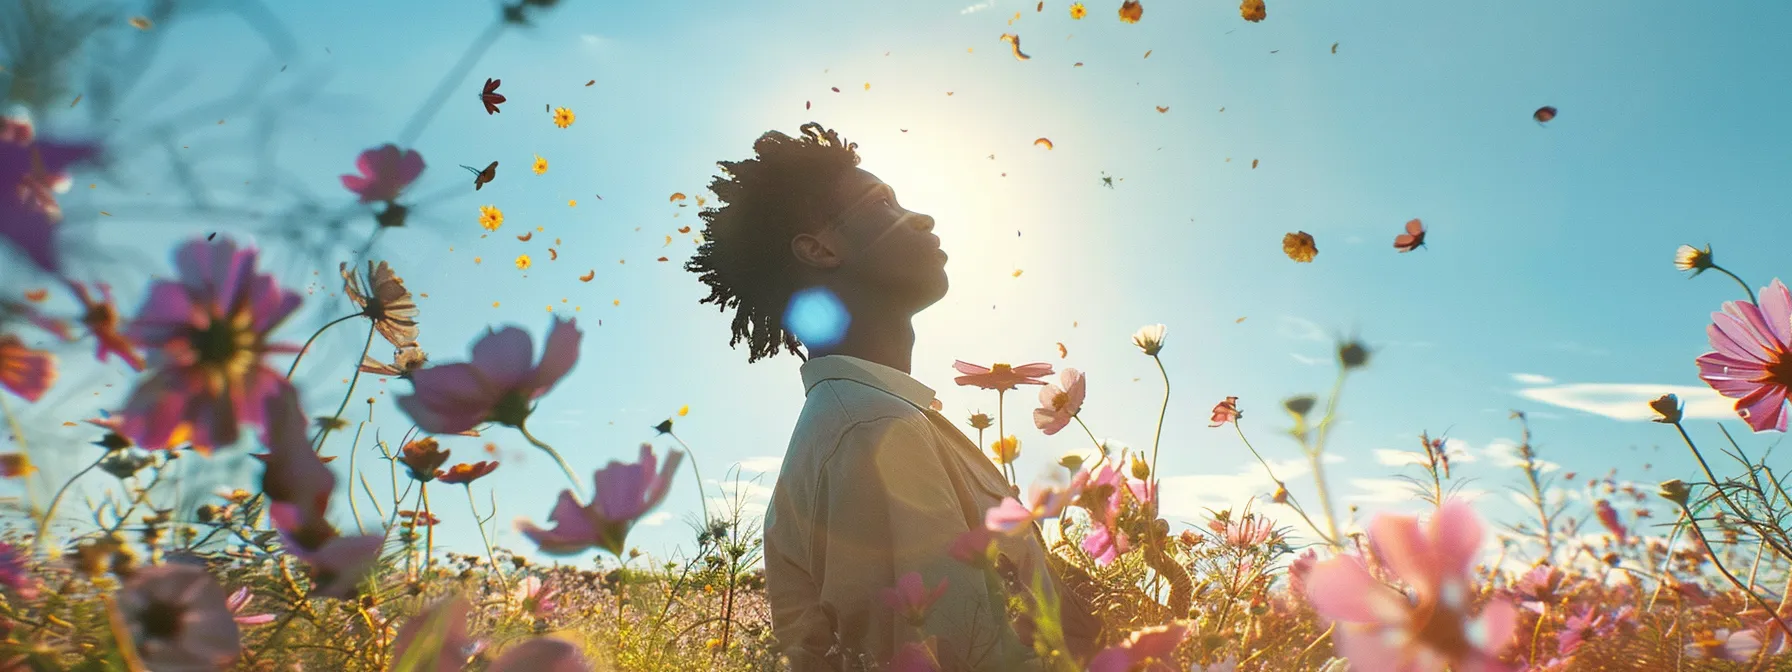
[{"x": 818, "y": 258}]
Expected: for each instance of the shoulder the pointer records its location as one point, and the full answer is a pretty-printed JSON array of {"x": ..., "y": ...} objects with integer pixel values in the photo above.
[{"x": 836, "y": 408}]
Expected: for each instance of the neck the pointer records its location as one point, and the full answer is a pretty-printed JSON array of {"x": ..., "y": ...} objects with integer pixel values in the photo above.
[{"x": 887, "y": 339}]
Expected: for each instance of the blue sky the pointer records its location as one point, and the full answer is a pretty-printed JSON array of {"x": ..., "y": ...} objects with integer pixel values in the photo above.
[{"x": 1547, "y": 285}]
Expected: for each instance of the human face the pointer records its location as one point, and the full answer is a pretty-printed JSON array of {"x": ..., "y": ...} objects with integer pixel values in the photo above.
[{"x": 885, "y": 248}]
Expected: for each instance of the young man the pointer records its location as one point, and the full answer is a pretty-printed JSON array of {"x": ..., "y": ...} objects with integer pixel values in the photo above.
[{"x": 814, "y": 253}]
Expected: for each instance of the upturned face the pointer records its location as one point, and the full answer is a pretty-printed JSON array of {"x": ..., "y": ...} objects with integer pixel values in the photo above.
[{"x": 877, "y": 247}]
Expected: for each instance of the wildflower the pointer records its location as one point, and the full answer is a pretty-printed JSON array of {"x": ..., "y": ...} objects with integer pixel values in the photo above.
[
  {"x": 499, "y": 385},
  {"x": 1140, "y": 468},
  {"x": 1736, "y": 646},
  {"x": 1608, "y": 517},
  {"x": 1044, "y": 503},
  {"x": 405, "y": 361},
  {"x": 1150, "y": 339},
  {"x": 385, "y": 171},
  {"x": 209, "y": 329},
  {"x": 1073, "y": 462},
  {"x": 541, "y": 165},
  {"x": 490, "y": 217},
  {"x": 1224, "y": 412},
  {"x": 1281, "y": 494},
  {"x": 299, "y": 486},
  {"x": 1006, "y": 449},
  {"x": 1248, "y": 531},
  {"x": 179, "y": 618},
  {"x": 465, "y": 474},
  {"x": 972, "y": 546},
  {"x": 24, "y": 371},
  {"x": 1674, "y": 491},
  {"x": 15, "y": 573},
  {"x": 1750, "y": 363},
  {"x": 563, "y": 117},
  {"x": 16, "y": 465},
  {"x": 981, "y": 421},
  {"x": 1538, "y": 587},
  {"x": 624, "y": 493},
  {"x": 1252, "y": 10},
  {"x": 536, "y": 597},
  {"x": 385, "y": 301},
  {"x": 1299, "y": 247},
  {"x": 543, "y": 654},
  {"x": 101, "y": 319},
  {"x": 1689, "y": 258},
  {"x": 30, "y": 171},
  {"x": 1589, "y": 623},
  {"x": 238, "y": 601},
  {"x": 1300, "y": 569},
  {"x": 1001, "y": 377},
  {"x": 1668, "y": 409},
  {"x": 423, "y": 457},
  {"x": 522, "y": 262},
  {"x": 1059, "y": 402},
  {"x": 1151, "y": 650},
  {"x": 446, "y": 622},
  {"x": 911, "y": 599},
  {"x": 1353, "y": 355},
  {"x": 1078, "y": 11},
  {"x": 1299, "y": 406},
  {"x": 1381, "y": 629}
]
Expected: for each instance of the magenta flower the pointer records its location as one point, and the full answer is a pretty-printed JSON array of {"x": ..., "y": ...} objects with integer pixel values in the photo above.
[
  {"x": 1104, "y": 496},
  {"x": 15, "y": 573},
  {"x": 624, "y": 493},
  {"x": 338, "y": 563},
  {"x": 1589, "y": 624},
  {"x": 385, "y": 171},
  {"x": 1608, "y": 517},
  {"x": 972, "y": 546},
  {"x": 208, "y": 333},
  {"x": 1383, "y": 630},
  {"x": 543, "y": 654},
  {"x": 911, "y": 599},
  {"x": 1044, "y": 503},
  {"x": 1750, "y": 363},
  {"x": 1001, "y": 377},
  {"x": 179, "y": 619},
  {"x": 238, "y": 601},
  {"x": 500, "y": 385},
  {"x": 1248, "y": 530},
  {"x": 1149, "y": 650},
  {"x": 1060, "y": 402},
  {"x": 447, "y": 619},
  {"x": 30, "y": 173},
  {"x": 536, "y": 598}
]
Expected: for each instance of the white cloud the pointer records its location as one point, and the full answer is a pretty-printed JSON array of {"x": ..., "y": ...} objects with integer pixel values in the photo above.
[
  {"x": 986, "y": 4},
  {"x": 762, "y": 464},
  {"x": 1291, "y": 327},
  {"x": 1353, "y": 240},
  {"x": 1533, "y": 379},
  {"x": 1380, "y": 491},
  {"x": 1503, "y": 453},
  {"x": 1458, "y": 451},
  {"x": 1309, "y": 361},
  {"x": 654, "y": 519},
  {"x": 1630, "y": 401}
]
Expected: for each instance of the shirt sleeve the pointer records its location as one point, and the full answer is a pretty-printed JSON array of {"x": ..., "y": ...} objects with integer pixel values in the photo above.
[{"x": 893, "y": 506}]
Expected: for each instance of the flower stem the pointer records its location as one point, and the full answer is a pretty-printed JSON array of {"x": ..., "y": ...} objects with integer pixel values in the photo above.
[
  {"x": 489, "y": 555},
  {"x": 354, "y": 448},
  {"x": 1100, "y": 455},
  {"x": 1002, "y": 435},
  {"x": 1158, "y": 435},
  {"x": 1694, "y": 524},
  {"x": 1316, "y": 453},
  {"x": 43, "y": 525},
  {"x": 570, "y": 476},
  {"x": 702, "y": 498},
  {"x": 429, "y": 535},
  {"x": 1745, "y": 287},
  {"x": 1292, "y": 503},
  {"x": 1740, "y": 514},
  {"x": 307, "y": 346},
  {"x": 354, "y": 379}
]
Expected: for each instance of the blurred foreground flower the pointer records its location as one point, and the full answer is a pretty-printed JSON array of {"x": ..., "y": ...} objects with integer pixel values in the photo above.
[
  {"x": 624, "y": 493},
  {"x": 1044, "y": 503},
  {"x": 911, "y": 599},
  {"x": 237, "y": 602},
  {"x": 180, "y": 619},
  {"x": 102, "y": 320},
  {"x": 30, "y": 173},
  {"x": 434, "y": 640},
  {"x": 209, "y": 331},
  {"x": 1001, "y": 377},
  {"x": 1382, "y": 629},
  {"x": 1148, "y": 650},
  {"x": 543, "y": 654},
  {"x": 500, "y": 385},
  {"x": 23, "y": 371},
  {"x": 385, "y": 171},
  {"x": 1750, "y": 364}
]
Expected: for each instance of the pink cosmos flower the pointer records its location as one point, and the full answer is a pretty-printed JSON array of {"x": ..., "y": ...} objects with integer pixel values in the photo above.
[
  {"x": 624, "y": 493},
  {"x": 1589, "y": 623},
  {"x": 1736, "y": 646},
  {"x": 1750, "y": 363},
  {"x": 385, "y": 171},
  {"x": 1001, "y": 377},
  {"x": 30, "y": 174},
  {"x": 536, "y": 597},
  {"x": 238, "y": 601},
  {"x": 1383, "y": 630},
  {"x": 1248, "y": 530},
  {"x": 1537, "y": 588},
  {"x": 971, "y": 546},
  {"x": 1148, "y": 650},
  {"x": 911, "y": 599},
  {"x": 1103, "y": 496},
  {"x": 500, "y": 385},
  {"x": 179, "y": 618},
  {"x": 1224, "y": 412},
  {"x": 299, "y": 487},
  {"x": 1045, "y": 502},
  {"x": 208, "y": 331},
  {"x": 338, "y": 563},
  {"x": 543, "y": 654},
  {"x": 445, "y": 618},
  {"x": 1060, "y": 402},
  {"x": 1608, "y": 517},
  {"x": 1300, "y": 569},
  {"x": 23, "y": 371},
  {"x": 15, "y": 573}
]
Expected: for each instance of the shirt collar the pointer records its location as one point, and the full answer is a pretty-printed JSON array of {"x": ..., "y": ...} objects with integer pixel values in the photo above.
[{"x": 845, "y": 367}]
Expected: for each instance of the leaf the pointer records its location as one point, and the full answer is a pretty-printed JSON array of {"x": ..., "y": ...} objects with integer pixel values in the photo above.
[
  {"x": 1062, "y": 351},
  {"x": 590, "y": 82},
  {"x": 526, "y": 236},
  {"x": 684, "y": 229},
  {"x": 1253, "y": 164},
  {"x": 1017, "y": 272},
  {"x": 1043, "y": 142},
  {"x": 1014, "y": 41},
  {"x": 676, "y": 197},
  {"x": 141, "y": 23},
  {"x": 1334, "y": 47},
  {"x": 1299, "y": 247},
  {"x": 684, "y": 410},
  {"x": 1162, "y": 109},
  {"x": 1131, "y": 11},
  {"x": 1147, "y": 53},
  {"x": 588, "y": 275}
]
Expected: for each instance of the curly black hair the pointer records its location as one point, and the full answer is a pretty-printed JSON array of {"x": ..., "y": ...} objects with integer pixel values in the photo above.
[{"x": 745, "y": 259}]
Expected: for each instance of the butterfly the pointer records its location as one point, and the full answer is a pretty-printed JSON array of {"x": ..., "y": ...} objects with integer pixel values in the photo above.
[
  {"x": 480, "y": 177},
  {"x": 1413, "y": 239},
  {"x": 491, "y": 97}
]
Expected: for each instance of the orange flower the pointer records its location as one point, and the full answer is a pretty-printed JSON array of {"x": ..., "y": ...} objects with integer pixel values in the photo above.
[
  {"x": 465, "y": 474},
  {"x": 1078, "y": 11},
  {"x": 1299, "y": 247},
  {"x": 1253, "y": 10},
  {"x": 423, "y": 457},
  {"x": 1001, "y": 377},
  {"x": 1130, "y": 11},
  {"x": 1006, "y": 450}
]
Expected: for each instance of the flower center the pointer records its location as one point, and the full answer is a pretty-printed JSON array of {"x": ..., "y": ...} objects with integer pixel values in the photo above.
[
  {"x": 226, "y": 346},
  {"x": 511, "y": 410},
  {"x": 1780, "y": 372},
  {"x": 1060, "y": 400},
  {"x": 162, "y": 620},
  {"x": 1000, "y": 368}
]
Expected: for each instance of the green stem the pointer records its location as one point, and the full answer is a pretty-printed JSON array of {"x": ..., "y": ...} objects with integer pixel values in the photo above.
[
  {"x": 570, "y": 476},
  {"x": 1158, "y": 435},
  {"x": 1740, "y": 514},
  {"x": 43, "y": 526},
  {"x": 307, "y": 346},
  {"x": 324, "y": 432},
  {"x": 489, "y": 555},
  {"x": 1694, "y": 523},
  {"x": 702, "y": 498},
  {"x": 1292, "y": 503},
  {"x": 1317, "y": 453},
  {"x": 429, "y": 534},
  {"x": 1745, "y": 287},
  {"x": 1100, "y": 455},
  {"x": 354, "y": 449}
]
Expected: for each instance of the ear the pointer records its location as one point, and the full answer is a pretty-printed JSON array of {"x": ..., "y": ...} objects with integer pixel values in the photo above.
[{"x": 818, "y": 250}]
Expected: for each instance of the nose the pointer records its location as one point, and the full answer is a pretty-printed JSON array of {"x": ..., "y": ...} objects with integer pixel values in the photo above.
[{"x": 923, "y": 223}]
